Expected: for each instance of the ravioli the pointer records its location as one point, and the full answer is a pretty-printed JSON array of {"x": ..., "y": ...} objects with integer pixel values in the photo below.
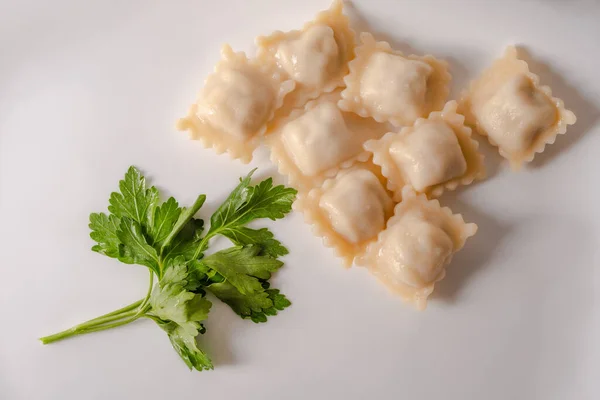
[
  {"x": 518, "y": 115},
  {"x": 235, "y": 105},
  {"x": 349, "y": 210},
  {"x": 388, "y": 86},
  {"x": 315, "y": 57},
  {"x": 412, "y": 253},
  {"x": 436, "y": 154},
  {"x": 314, "y": 143}
]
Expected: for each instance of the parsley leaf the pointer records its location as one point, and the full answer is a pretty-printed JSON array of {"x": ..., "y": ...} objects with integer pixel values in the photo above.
[
  {"x": 172, "y": 301},
  {"x": 180, "y": 311},
  {"x": 242, "y": 267},
  {"x": 187, "y": 241},
  {"x": 186, "y": 215},
  {"x": 136, "y": 249},
  {"x": 263, "y": 238},
  {"x": 165, "y": 217},
  {"x": 104, "y": 232},
  {"x": 256, "y": 306},
  {"x": 135, "y": 201},
  {"x": 247, "y": 203},
  {"x": 184, "y": 343}
]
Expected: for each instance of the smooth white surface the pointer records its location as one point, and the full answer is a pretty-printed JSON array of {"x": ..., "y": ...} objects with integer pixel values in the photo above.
[{"x": 89, "y": 88}]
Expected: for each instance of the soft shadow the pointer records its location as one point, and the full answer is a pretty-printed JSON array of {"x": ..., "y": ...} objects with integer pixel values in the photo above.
[
  {"x": 219, "y": 329},
  {"x": 478, "y": 251},
  {"x": 493, "y": 161},
  {"x": 586, "y": 111},
  {"x": 360, "y": 24}
]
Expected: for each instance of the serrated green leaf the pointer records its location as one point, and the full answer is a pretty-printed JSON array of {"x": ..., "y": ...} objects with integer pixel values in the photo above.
[
  {"x": 136, "y": 249},
  {"x": 186, "y": 241},
  {"x": 172, "y": 302},
  {"x": 243, "y": 267},
  {"x": 263, "y": 238},
  {"x": 267, "y": 201},
  {"x": 184, "y": 343},
  {"x": 256, "y": 306},
  {"x": 104, "y": 232},
  {"x": 186, "y": 215},
  {"x": 165, "y": 217},
  {"x": 134, "y": 201},
  {"x": 180, "y": 312},
  {"x": 247, "y": 203}
]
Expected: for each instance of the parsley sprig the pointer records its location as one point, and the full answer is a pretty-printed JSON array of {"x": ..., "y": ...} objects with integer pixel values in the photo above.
[{"x": 171, "y": 242}]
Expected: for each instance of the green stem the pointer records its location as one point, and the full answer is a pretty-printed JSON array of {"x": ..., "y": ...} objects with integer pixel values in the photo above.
[
  {"x": 88, "y": 327},
  {"x": 130, "y": 307},
  {"x": 113, "y": 319},
  {"x": 203, "y": 244},
  {"x": 144, "y": 302}
]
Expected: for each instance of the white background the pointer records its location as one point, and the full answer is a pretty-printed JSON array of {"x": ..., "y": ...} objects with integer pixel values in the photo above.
[{"x": 88, "y": 88}]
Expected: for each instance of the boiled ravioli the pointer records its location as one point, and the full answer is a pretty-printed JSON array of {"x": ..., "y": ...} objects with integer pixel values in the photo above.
[
  {"x": 356, "y": 205},
  {"x": 509, "y": 106},
  {"x": 437, "y": 153},
  {"x": 394, "y": 85},
  {"x": 235, "y": 105},
  {"x": 386, "y": 85},
  {"x": 349, "y": 210},
  {"x": 310, "y": 59},
  {"x": 314, "y": 143},
  {"x": 315, "y": 57},
  {"x": 412, "y": 253},
  {"x": 516, "y": 114},
  {"x": 318, "y": 140},
  {"x": 430, "y": 155}
]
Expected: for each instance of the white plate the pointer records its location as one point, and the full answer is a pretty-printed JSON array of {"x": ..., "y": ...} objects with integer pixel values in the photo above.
[{"x": 89, "y": 88}]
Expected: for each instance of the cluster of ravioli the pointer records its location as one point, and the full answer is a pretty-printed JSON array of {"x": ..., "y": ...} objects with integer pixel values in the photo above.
[{"x": 366, "y": 136}]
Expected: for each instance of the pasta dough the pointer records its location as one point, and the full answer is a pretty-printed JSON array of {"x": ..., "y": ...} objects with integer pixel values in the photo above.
[
  {"x": 348, "y": 211},
  {"x": 388, "y": 86},
  {"x": 412, "y": 253},
  {"x": 508, "y": 105},
  {"x": 236, "y": 103},
  {"x": 435, "y": 154}
]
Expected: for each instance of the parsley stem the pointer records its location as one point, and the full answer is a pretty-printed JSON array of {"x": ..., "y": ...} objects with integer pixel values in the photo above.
[
  {"x": 113, "y": 319},
  {"x": 144, "y": 302},
  {"x": 203, "y": 244},
  {"x": 99, "y": 324},
  {"x": 130, "y": 307}
]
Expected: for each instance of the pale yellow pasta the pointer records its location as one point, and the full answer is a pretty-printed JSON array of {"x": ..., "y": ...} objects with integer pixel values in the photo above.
[
  {"x": 412, "y": 253},
  {"x": 518, "y": 115},
  {"x": 315, "y": 57},
  {"x": 349, "y": 210},
  {"x": 437, "y": 153},
  {"x": 235, "y": 105},
  {"x": 388, "y": 86},
  {"x": 313, "y": 143}
]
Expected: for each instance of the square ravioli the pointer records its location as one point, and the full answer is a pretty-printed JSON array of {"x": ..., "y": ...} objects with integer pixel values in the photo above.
[
  {"x": 412, "y": 253},
  {"x": 348, "y": 211},
  {"x": 388, "y": 86},
  {"x": 437, "y": 153},
  {"x": 315, "y": 57},
  {"x": 236, "y": 103},
  {"x": 518, "y": 115},
  {"x": 313, "y": 143}
]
